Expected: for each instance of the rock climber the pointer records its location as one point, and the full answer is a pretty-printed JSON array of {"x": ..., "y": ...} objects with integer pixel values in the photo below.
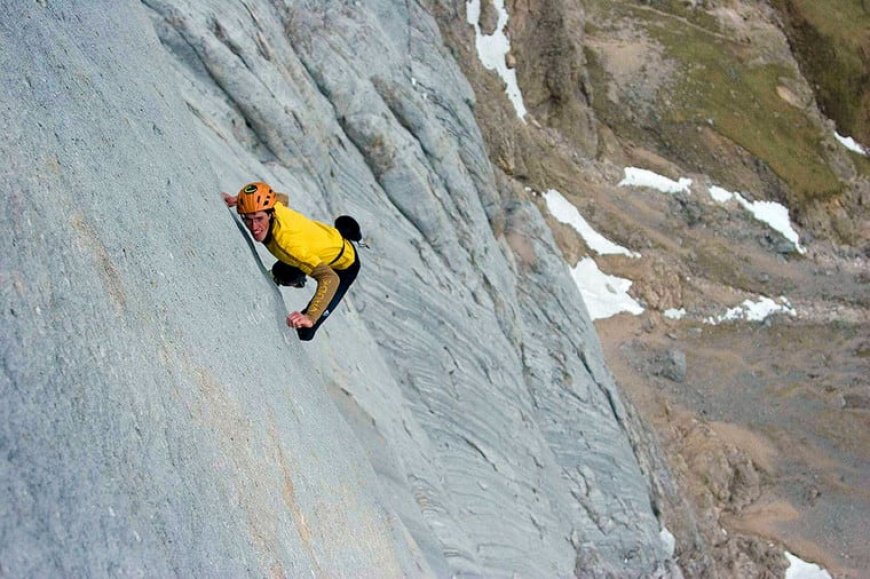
[{"x": 304, "y": 247}]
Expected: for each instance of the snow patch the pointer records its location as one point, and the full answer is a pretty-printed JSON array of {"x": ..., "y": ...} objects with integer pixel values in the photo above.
[
  {"x": 565, "y": 212},
  {"x": 669, "y": 541},
  {"x": 604, "y": 295},
  {"x": 675, "y": 314},
  {"x": 721, "y": 195},
  {"x": 635, "y": 177},
  {"x": 493, "y": 49},
  {"x": 776, "y": 216},
  {"x": 754, "y": 311},
  {"x": 773, "y": 214},
  {"x": 852, "y": 145},
  {"x": 800, "y": 569}
]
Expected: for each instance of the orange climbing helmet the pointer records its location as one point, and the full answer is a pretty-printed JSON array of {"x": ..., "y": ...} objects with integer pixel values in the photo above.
[{"x": 254, "y": 197}]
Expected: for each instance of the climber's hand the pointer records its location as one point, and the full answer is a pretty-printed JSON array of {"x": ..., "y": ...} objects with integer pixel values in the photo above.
[{"x": 298, "y": 320}]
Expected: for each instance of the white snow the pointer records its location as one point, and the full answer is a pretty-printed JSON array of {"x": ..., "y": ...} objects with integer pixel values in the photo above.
[
  {"x": 776, "y": 216},
  {"x": 754, "y": 311},
  {"x": 564, "y": 211},
  {"x": 800, "y": 569},
  {"x": 604, "y": 295},
  {"x": 635, "y": 177},
  {"x": 720, "y": 195},
  {"x": 852, "y": 145},
  {"x": 769, "y": 212},
  {"x": 669, "y": 541},
  {"x": 675, "y": 314},
  {"x": 493, "y": 49}
]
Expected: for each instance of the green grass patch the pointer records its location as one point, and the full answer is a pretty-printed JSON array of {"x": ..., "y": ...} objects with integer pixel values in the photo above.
[
  {"x": 717, "y": 85},
  {"x": 831, "y": 39},
  {"x": 846, "y": 20},
  {"x": 740, "y": 101},
  {"x": 680, "y": 9}
]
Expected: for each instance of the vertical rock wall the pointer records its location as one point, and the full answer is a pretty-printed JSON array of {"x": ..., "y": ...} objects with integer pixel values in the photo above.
[{"x": 157, "y": 417}]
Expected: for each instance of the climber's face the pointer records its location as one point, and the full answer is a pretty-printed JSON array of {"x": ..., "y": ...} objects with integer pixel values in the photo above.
[{"x": 258, "y": 224}]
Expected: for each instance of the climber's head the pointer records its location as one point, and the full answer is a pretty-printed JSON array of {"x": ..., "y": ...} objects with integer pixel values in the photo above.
[
  {"x": 255, "y": 197},
  {"x": 255, "y": 203}
]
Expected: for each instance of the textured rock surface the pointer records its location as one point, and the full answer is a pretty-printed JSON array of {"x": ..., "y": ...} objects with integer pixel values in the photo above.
[{"x": 156, "y": 419}]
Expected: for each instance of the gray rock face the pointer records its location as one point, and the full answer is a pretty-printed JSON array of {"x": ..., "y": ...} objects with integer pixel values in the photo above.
[
  {"x": 158, "y": 418},
  {"x": 672, "y": 365}
]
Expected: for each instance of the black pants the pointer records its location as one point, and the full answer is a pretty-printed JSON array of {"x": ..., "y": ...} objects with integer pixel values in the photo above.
[
  {"x": 346, "y": 277},
  {"x": 284, "y": 274}
]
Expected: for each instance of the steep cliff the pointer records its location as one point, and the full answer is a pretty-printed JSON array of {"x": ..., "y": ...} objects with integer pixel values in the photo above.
[
  {"x": 455, "y": 417},
  {"x": 722, "y": 106}
]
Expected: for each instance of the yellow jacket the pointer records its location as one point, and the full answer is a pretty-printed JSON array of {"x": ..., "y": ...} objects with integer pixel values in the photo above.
[
  {"x": 315, "y": 248},
  {"x": 305, "y": 243}
]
